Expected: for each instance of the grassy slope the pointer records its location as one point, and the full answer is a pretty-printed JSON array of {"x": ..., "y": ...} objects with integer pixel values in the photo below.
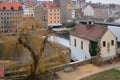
[{"x": 112, "y": 74}]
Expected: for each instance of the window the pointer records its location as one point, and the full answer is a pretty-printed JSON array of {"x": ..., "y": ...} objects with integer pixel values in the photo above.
[
  {"x": 108, "y": 46},
  {"x": 81, "y": 44},
  {"x": 4, "y": 8},
  {"x": 50, "y": 21},
  {"x": 20, "y": 8},
  {"x": 58, "y": 17},
  {"x": 112, "y": 42},
  {"x": 50, "y": 10},
  {"x": 58, "y": 21},
  {"x": 54, "y": 17},
  {"x": 75, "y": 42},
  {"x": 54, "y": 21},
  {"x": 104, "y": 43},
  {"x": 12, "y": 8}
]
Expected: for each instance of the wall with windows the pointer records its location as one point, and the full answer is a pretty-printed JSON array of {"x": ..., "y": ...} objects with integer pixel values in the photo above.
[
  {"x": 79, "y": 48},
  {"x": 9, "y": 20},
  {"x": 108, "y": 44},
  {"x": 53, "y": 16}
]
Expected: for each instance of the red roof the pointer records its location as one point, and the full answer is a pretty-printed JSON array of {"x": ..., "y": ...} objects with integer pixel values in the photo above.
[
  {"x": 9, "y": 5},
  {"x": 50, "y": 4},
  {"x": 29, "y": 4},
  {"x": 89, "y": 32}
]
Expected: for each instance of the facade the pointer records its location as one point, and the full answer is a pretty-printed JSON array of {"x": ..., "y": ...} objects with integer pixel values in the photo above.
[
  {"x": 10, "y": 17},
  {"x": 83, "y": 37},
  {"x": 38, "y": 13},
  {"x": 88, "y": 11},
  {"x": 53, "y": 16},
  {"x": 101, "y": 13},
  {"x": 66, "y": 10},
  {"x": 28, "y": 12},
  {"x": 48, "y": 12}
]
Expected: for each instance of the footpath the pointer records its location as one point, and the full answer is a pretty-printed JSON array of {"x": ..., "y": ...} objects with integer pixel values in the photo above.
[{"x": 84, "y": 71}]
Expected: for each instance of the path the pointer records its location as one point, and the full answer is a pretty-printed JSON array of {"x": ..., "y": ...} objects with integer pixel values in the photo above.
[{"x": 83, "y": 71}]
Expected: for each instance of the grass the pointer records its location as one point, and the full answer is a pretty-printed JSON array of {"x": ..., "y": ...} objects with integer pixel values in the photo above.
[{"x": 111, "y": 74}]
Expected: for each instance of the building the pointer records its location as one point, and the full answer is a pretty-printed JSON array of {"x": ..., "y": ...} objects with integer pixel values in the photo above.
[
  {"x": 88, "y": 11},
  {"x": 50, "y": 13},
  {"x": 66, "y": 10},
  {"x": 90, "y": 40},
  {"x": 101, "y": 13},
  {"x": 10, "y": 17},
  {"x": 38, "y": 13},
  {"x": 95, "y": 12}
]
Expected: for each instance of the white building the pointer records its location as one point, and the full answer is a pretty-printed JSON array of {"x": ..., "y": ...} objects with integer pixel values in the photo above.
[
  {"x": 28, "y": 11},
  {"x": 87, "y": 40},
  {"x": 88, "y": 11}
]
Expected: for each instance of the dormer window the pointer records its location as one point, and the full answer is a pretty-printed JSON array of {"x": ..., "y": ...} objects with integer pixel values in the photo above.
[
  {"x": 12, "y": 8},
  {"x": 20, "y": 8},
  {"x": 4, "y": 8}
]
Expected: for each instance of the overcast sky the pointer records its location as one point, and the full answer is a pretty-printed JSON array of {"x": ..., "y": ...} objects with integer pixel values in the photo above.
[
  {"x": 102, "y": 1},
  {"x": 106, "y": 1}
]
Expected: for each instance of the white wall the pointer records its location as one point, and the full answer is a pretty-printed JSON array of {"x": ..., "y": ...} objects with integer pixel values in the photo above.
[
  {"x": 104, "y": 50},
  {"x": 88, "y": 11},
  {"x": 76, "y": 52}
]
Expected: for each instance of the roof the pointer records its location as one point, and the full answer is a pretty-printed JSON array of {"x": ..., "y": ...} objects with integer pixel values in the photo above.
[
  {"x": 89, "y": 32},
  {"x": 50, "y": 4},
  {"x": 10, "y": 6},
  {"x": 29, "y": 4}
]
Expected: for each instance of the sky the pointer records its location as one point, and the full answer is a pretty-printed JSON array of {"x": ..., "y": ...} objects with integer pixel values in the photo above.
[
  {"x": 106, "y": 1},
  {"x": 102, "y": 1}
]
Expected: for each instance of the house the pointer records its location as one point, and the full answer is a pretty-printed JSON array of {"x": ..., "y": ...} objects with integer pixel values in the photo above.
[
  {"x": 87, "y": 40},
  {"x": 88, "y": 11},
  {"x": 10, "y": 17}
]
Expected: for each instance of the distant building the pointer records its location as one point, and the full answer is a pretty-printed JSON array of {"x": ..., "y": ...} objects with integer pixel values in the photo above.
[
  {"x": 101, "y": 13},
  {"x": 95, "y": 12},
  {"x": 10, "y": 17},
  {"x": 66, "y": 10},
  {"x": 91, "y": 40},
  {"x": 50, "y": 13},
  {"x": 39, "y": 14},
  {"x": 88, "y": 11}
]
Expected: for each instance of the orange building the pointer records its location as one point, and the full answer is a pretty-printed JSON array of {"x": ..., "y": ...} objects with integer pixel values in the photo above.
[{"x": 51, "y": 13}]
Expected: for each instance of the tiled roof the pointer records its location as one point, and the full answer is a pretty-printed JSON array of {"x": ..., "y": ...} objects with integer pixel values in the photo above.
[
  {"x": 29, "y": 4},
  {"x": 10, "y": 6},
  {"x": 50, "y": 4},
  {"x": 89, "y": 32}
]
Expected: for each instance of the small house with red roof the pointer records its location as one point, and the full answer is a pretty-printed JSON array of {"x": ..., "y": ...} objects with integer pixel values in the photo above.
[{"x": 87, "y": 40}]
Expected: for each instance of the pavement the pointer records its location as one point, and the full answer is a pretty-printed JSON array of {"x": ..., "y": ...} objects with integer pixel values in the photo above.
[{"x": 84, "y": 71}]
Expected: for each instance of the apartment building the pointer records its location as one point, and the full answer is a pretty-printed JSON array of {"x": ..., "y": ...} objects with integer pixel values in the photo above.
[
  {"x": 49, "y": 12},
  {"x": 10, "y": 17},
  {"x": 66, "y": 10}
]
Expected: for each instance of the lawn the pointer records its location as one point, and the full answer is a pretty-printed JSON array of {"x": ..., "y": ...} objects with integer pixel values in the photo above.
[{"x": 112, "y": 74}]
